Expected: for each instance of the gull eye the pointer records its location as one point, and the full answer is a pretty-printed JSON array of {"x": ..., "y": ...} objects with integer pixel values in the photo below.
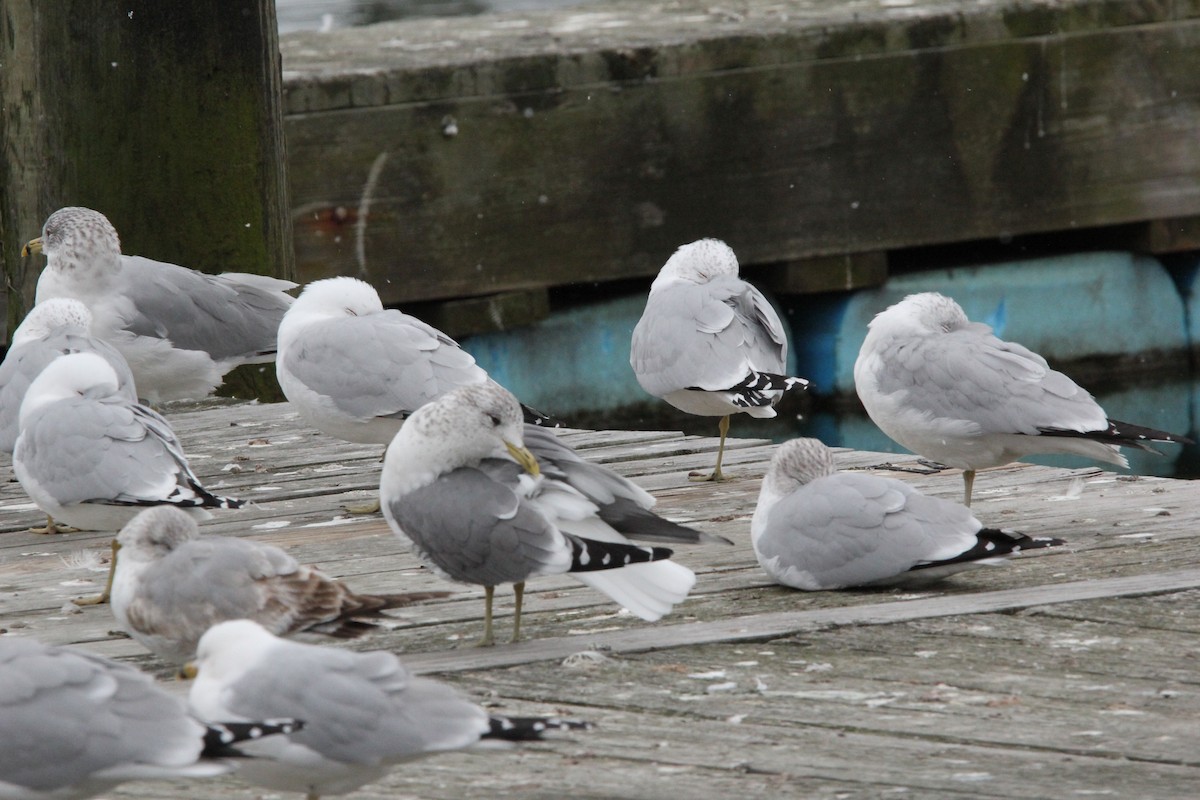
[
  {"x": 495, "y": 418},
  {"x": 352, "y": 312}
]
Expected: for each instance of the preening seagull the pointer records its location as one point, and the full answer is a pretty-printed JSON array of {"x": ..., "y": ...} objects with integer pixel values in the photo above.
[
  {"x": 171, "y": 585},
  {"x": 363, "y": 713},
  {"x": 948, "y": 389},
  {"x": 816, "y": 528},
  {"x": 461, "y": 486},
  {"x": 180, "y": 330},
  {"x": 708, "y": 342}
]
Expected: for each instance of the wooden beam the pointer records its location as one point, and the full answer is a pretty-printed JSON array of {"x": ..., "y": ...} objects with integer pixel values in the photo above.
[
  {"x": 488, "y": 314},
  {"x": 760, "y": 627},
  {"x": 837, "y": 273},
  {"x": 166, "y": 117}
]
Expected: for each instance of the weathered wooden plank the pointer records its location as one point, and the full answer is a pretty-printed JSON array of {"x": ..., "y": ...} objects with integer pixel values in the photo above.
[{"x": 503, "y": 156}]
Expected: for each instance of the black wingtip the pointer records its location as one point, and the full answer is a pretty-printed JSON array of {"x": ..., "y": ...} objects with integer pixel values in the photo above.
[
  {"x": 527, "y": 729},
  {"x": 1124, "y": 434},
  {"x": 535, "y": 417},
  {"x": 221, "y": 738}
]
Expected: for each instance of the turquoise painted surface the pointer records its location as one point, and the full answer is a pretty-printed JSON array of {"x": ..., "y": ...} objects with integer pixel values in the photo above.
[{"x": 1066, "y": 307}]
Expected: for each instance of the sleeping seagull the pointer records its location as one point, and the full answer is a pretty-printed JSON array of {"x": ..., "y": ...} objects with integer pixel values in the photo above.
[
  {"x": 171, "y": 585},
  {"x": 461, "y": 486},
  {"x": 355, "y": 370},
  {"x": 816, "y": 528},
  {"x": 54, "y": 328},
  {"x": 708, "y": 342},
  {"x": 363, "y": 713},
  {"x": 75, "y": 725},
  {"x": 949, "y": 390},
  {"x": 93, "y": 459},
  {"x": 180, "y": 330}
]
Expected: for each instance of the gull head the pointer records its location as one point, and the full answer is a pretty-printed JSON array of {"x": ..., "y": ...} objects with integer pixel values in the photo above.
[
  {"x": 796, "y": 463},
  {"x": 228, "y": 650},
  {"x": 463, "y": 427},
  {"x": 155, "y": 532},
  {"x": 699, "y": 262},
  {"x": 49, "y": 315},
  {"x": 77, "y": 237},
  {"x": 72, "y": 375},
  {"x": 924, "y": 313},
  {"x": 328, "y": 299}
]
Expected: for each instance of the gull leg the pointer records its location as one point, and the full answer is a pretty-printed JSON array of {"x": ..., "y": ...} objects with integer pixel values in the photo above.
[
  {"x": 102, "y": 598},
  {"x": 717, "y": 475},
  {"x": 968, "y": 484},
  {"x": 53, "y": 527},
  {"x": 487, "y": 640},
  {"x": 519, "y": 594},
  {"x": 366, "y": 508}
]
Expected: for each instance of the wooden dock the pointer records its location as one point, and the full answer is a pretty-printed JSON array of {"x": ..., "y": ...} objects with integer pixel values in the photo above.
[{"x": 1071, "y": 673}]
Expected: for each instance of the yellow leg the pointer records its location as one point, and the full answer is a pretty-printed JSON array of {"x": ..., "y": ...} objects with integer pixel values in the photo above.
[
  {"x": 487, "y": 640},
  {"x": 102, "y": 598},
  {"x": 717, "y": 475},
  {"x": 53, "y": 527},
  {"x": 366, "y": 508},
  {"x": 968, "y": 485},
  {"x": 519, "y": 595}
]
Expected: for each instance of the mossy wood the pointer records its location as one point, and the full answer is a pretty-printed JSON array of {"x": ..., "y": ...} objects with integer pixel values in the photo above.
[
  {"x": 164, "y": 116},
  {"x": 442, "y": 158}
]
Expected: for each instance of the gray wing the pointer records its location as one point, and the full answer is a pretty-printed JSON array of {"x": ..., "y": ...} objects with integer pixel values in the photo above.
[
  {"x": 969, "y": 374},
  {"x": 852, "y": 529},
  {"x": 620, "y": 502},
  {"x": 25, "y": 362},
  {"x": 210, "y": 580},
  {"x": 229, "y": 316},
  {"x": 106, "y": 451},
  {"x": 708, "y": 336},
  {"x": 380, "y": 365},
  {"x": 359, "y": 708},
  {"x": 474, "y": 527},
  {"x": 65, "y": 714}
]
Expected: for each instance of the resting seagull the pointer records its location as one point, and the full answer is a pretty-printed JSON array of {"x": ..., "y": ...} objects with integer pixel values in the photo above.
[
  {"x": 460, "y": 485},
  {"x": 816, "y": 528},
  {"x": 75, "y": 725},
  {"x": 171, "y": 585},
  {"x": 180, "y": 330},
  {"x": 708, "y": 342},
  {"x": 363, "y": 713},
  {"x": 355, "y": 370},
  {"x": 90, "y": 457},
  {"x": 949, "y": 390}
]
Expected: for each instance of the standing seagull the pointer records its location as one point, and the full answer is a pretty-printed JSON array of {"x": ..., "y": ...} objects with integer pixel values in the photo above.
[
  {"x": 460, "y": 485},
  {"x": 949, "y": 390},
  {"x": 171, "y": 585},
  {"x": 816, "y": 528},
  {"x": 74, "y": 725},
  {"x": 363, "y": 713},
  {"x": 52, "y": 329},
  {"x": 708, "y": 342},
  {"x": 179, "y": 329},
  {"x": 355, "y": 370},
  {"x": 90, "y": 457}
]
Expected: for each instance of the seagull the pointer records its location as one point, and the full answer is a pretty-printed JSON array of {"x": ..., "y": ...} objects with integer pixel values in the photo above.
[
  {"x": 459, "y": 484},
  {"x": 171, "y": 585},
  {"x": 951, "y": 391},
  {"x": 54, "y": 328},
  {"x": 75, "y": 725},
  {"x": 815, "y": 528},
  {"x": 355, "y": 370},
  {"x": 708, "y": 342},
  {"x": 180, "y": 330},
  {"x": 93, "y": 459},
  {"x": 363, "y": 713}
]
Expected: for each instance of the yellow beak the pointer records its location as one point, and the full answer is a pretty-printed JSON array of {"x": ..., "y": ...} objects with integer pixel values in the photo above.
[
  {"x": 525, "y": 458},
  {"x": 31, "y": 247},
  {"x": 189, "y": 671}
]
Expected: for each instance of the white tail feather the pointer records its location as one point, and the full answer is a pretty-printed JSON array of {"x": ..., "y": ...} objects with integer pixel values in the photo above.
[{"x": 648, "y": 590}]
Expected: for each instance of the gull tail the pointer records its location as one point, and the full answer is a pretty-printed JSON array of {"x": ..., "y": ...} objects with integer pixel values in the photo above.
[
  {"x": 1121, "y": 434},
  {"x": 528, "y": 729},
  {"x": 649, "y": 589},
  {"x": 994, "y": 543},
  {"x": 221, "y": 738}
]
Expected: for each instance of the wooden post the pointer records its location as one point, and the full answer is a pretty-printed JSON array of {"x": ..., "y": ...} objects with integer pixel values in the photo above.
[{"x": 166, "y": 117}]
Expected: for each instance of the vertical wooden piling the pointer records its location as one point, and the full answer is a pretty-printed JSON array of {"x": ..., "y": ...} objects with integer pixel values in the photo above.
[{"x": 166, "y": 117}]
